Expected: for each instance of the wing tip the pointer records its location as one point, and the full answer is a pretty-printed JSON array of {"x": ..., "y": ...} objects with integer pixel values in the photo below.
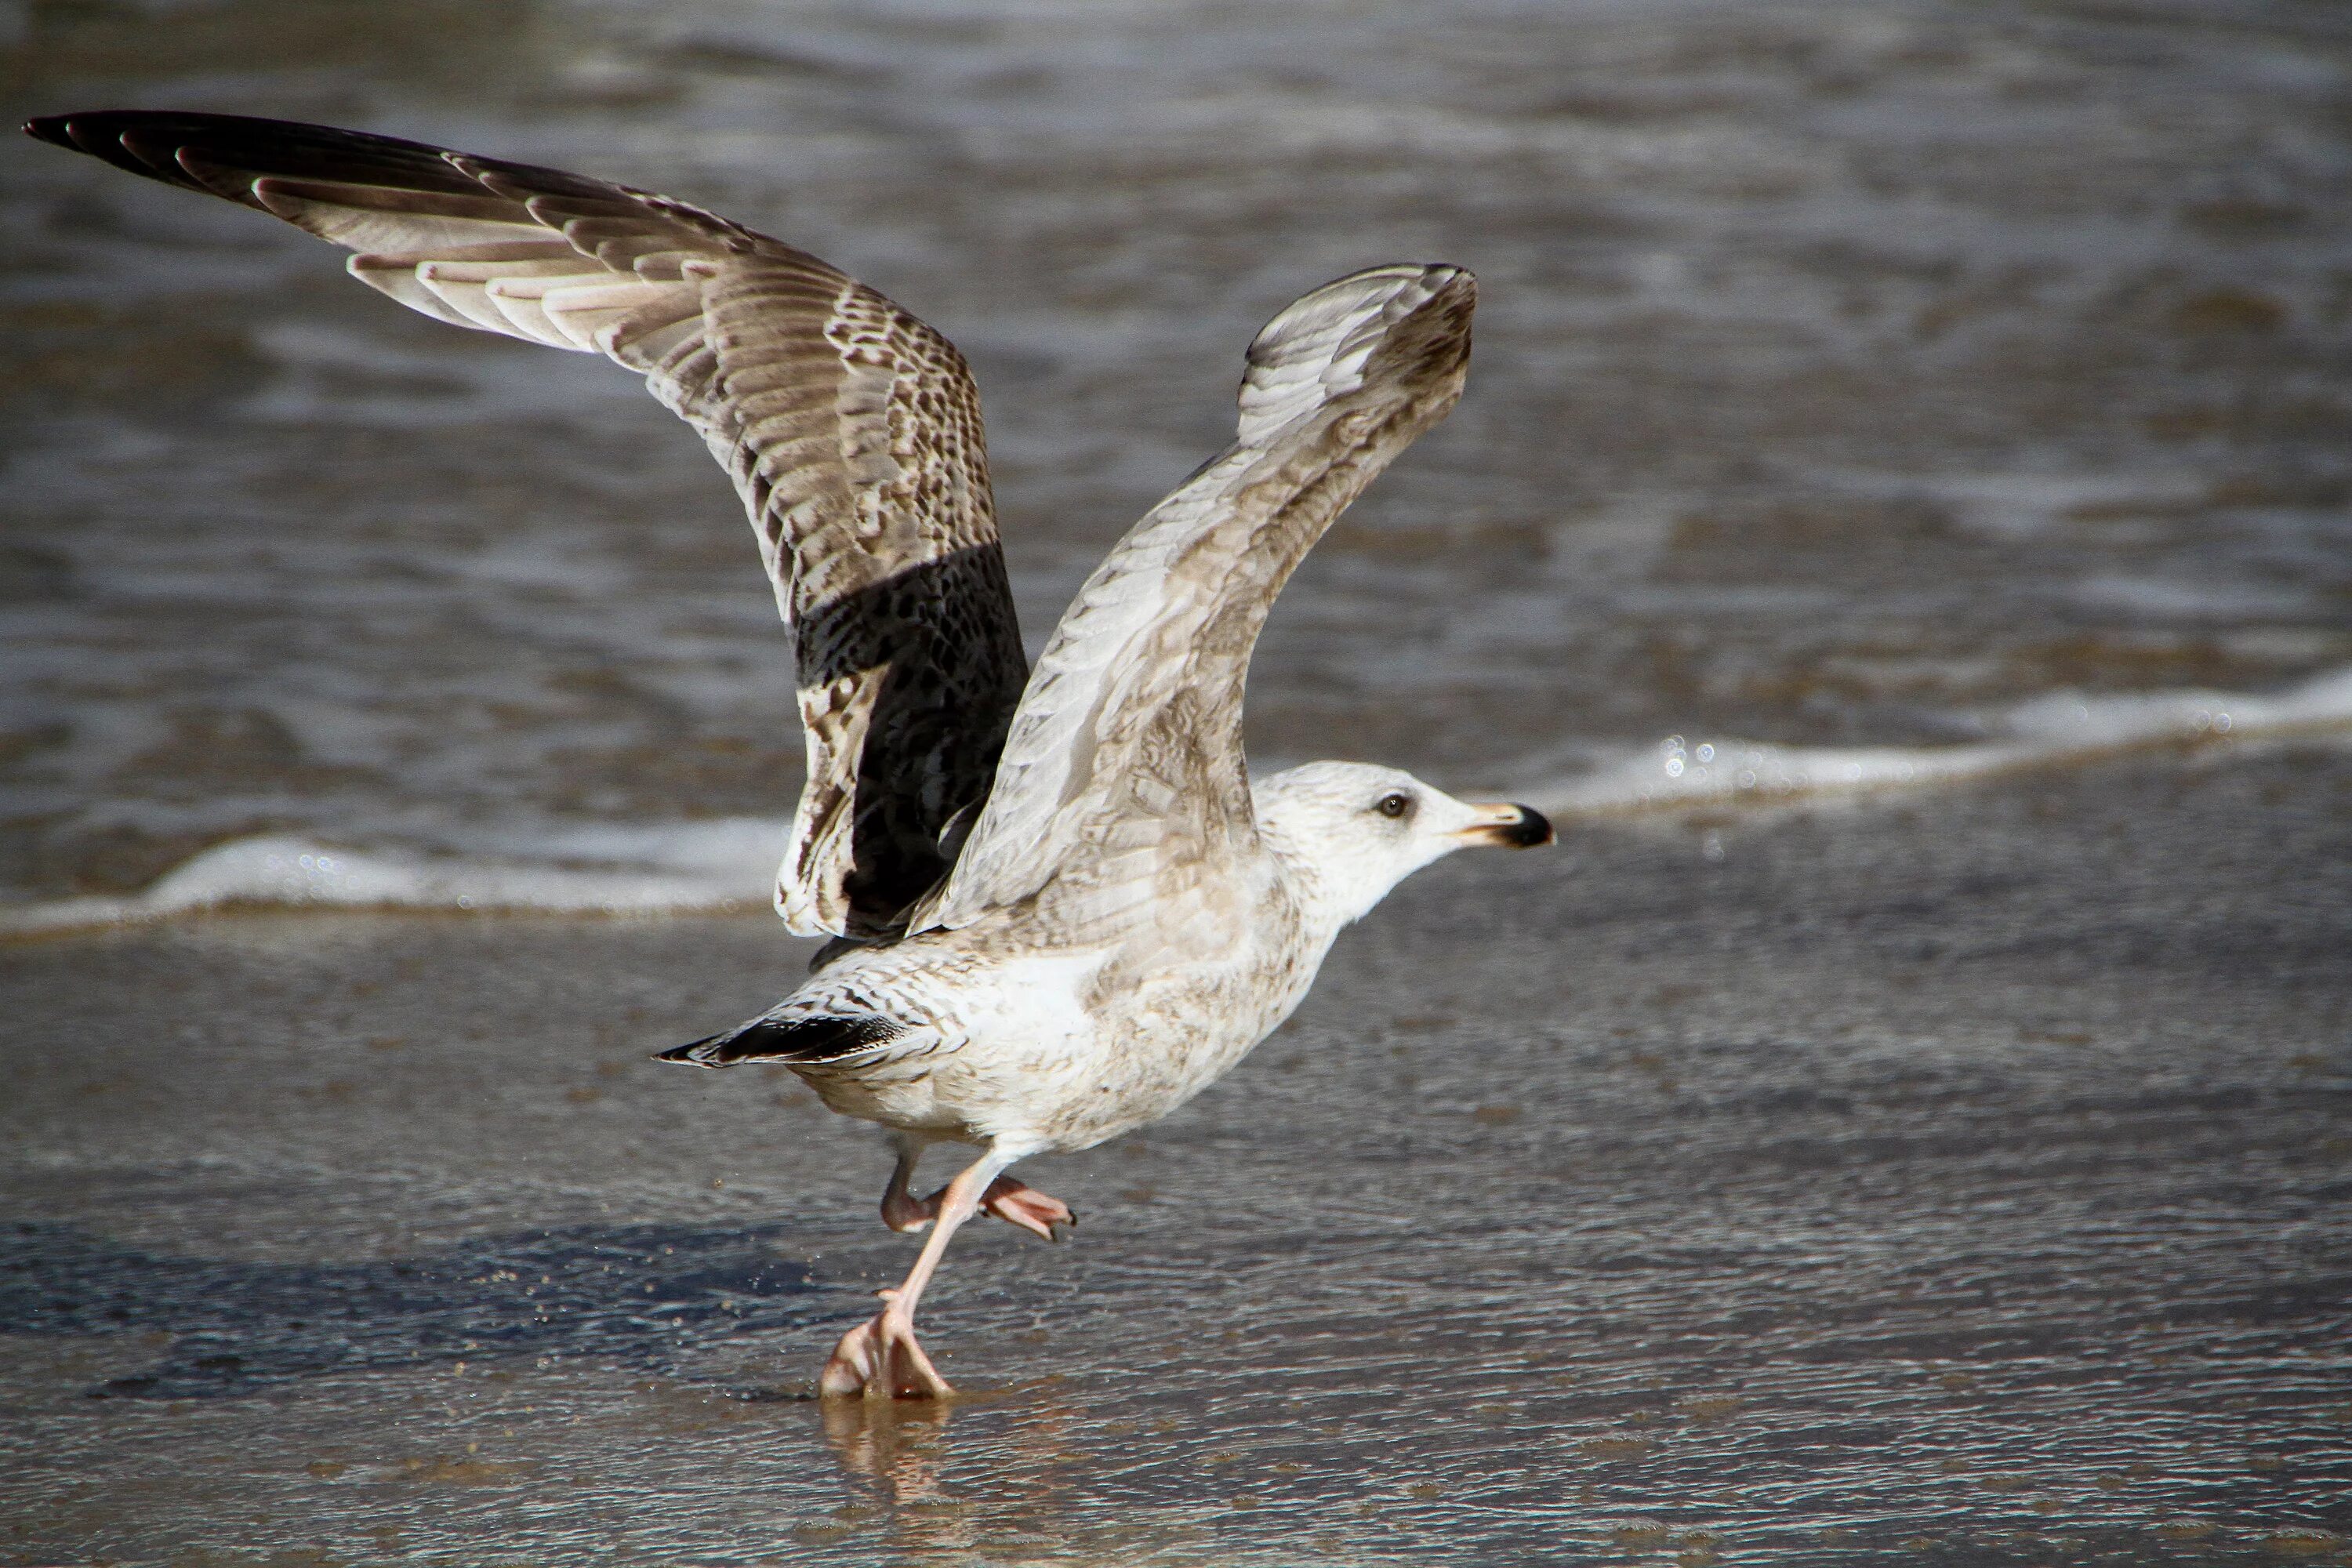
[
  {"x": 153, "y": 143},
  {"x": 96, "y": 133},
  {"x": 1324, "y": 343},
  {"x": 1418, "y": 286}
]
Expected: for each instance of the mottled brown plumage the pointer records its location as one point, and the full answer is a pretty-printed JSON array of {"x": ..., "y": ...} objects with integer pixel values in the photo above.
[{"x": 851, "y": 429}]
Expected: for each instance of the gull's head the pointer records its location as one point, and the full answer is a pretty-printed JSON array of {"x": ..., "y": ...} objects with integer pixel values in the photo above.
[{"x": 1351, "y": 831}]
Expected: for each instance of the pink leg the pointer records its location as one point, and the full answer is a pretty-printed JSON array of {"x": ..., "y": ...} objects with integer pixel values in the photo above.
[
  {"x": 1015, "y": 1201},
  {"x": 1018, "y": 1202},
  {"x": 902, "y": 1210},
  {"x": 879, "y": 1358}
]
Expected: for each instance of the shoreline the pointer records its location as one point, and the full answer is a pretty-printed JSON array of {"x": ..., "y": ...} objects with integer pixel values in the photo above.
[{"x": 717, "y": 867}]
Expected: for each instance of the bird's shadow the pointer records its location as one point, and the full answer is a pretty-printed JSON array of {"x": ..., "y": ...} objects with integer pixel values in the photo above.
[{"x": 645, "y": 1296}]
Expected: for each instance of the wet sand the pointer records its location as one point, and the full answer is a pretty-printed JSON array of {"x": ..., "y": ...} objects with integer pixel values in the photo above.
[{"x": 1929, "y": 1179}]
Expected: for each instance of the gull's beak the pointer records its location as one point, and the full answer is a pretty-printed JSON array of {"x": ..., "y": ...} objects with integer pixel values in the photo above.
[{"x": 1513, "y": 826}]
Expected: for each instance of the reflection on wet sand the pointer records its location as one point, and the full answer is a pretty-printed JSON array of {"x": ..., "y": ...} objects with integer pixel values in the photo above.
[
  {"x": 1038, "y": 1496},
  {"x": 892, "y": 1444},
  {"x": 898, "y": 1448}
]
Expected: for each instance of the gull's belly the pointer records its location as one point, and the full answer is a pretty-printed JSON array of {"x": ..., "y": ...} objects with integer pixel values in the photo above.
[
  {"x": 1174, "y": 1037},
  {"x": 904, "y": 1095},
  {"x": 1066, "y": 1060}
]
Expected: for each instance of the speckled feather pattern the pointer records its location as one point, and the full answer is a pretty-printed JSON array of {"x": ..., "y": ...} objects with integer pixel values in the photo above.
[{"x": 852, "y": 431}]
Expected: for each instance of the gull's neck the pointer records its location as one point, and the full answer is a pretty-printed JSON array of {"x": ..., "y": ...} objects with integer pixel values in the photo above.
[{"x": 1327, "y": 898}]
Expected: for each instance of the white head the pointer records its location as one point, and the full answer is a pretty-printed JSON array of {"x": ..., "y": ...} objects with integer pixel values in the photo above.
[{"x": 1347, "y": 832}]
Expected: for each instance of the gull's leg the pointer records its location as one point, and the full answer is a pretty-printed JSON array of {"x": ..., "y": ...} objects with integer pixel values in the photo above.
[
  {"x": 1013, "y": 1202},
  {"x": 902, "y": 1210},
  {"x": 879, "y": 1357}
]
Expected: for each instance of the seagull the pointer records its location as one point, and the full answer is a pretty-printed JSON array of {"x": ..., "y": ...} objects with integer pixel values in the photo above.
[{"x": 1059, "y": 904}]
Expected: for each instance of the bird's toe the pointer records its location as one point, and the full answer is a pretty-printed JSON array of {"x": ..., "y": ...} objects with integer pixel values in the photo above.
[
  {"x": 1017, "y": 1203},
  {"x": 880, "y": 1358}
]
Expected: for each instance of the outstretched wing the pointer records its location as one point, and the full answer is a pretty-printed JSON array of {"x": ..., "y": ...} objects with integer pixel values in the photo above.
[
  {"x": 851, "y": 429},
  {"x": 1125, "y": 760}
]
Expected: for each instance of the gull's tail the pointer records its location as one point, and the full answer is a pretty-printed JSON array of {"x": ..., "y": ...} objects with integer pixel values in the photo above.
[{"x": 807, "y": 1040}]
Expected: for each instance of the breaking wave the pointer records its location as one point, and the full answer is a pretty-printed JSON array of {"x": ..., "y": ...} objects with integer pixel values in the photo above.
[
  {"x": 2055, "y": 731},
  {"x": 727, "y": 865},
  {"x": 711, "y": 865}
]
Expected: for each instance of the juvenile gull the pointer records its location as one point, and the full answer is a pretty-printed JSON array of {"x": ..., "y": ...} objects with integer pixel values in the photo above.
[{"x": 1060, "y": 905}]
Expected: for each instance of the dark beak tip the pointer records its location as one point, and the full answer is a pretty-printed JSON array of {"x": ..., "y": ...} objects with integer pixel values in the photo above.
[{"x": 1532, "y": 830}]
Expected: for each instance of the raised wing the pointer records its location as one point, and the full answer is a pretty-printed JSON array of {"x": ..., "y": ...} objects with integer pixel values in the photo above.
[
  {"x": 851, "y": 429},
  {"x": 1124, "y": 765}
]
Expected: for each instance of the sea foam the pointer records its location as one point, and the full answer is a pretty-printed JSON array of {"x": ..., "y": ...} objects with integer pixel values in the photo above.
[{"x": 620, "y": 869}]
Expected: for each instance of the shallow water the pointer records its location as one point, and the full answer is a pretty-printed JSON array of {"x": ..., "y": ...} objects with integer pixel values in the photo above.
[
  {"x": 1847, "y": 375},
  {"x": 1859, "y": 1184}
]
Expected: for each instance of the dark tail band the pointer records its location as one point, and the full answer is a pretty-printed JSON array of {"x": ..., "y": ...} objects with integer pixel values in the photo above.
[{"x": 802, "y": 1040}]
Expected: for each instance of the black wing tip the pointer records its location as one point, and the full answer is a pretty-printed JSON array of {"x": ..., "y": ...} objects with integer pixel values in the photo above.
[
  {"x": 58, "y": 128},
  {"x": 110, "y": 136},
  {"x": 695, "y": 1053},
  {"x": 93, "y": 130},
  {"x": 147, "y": 141},
  {"x": 154, "y": 141}
]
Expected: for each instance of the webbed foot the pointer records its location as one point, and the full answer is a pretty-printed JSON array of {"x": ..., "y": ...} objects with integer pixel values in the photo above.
[
  {"x": 1015, "y": 1201},
  {"x": 879, "y": 1359},
  {"x": 1018, "y": 1202}
]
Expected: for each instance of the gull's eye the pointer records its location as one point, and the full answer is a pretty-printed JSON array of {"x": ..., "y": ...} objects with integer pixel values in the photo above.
[{"x": 1393, "y": 805}]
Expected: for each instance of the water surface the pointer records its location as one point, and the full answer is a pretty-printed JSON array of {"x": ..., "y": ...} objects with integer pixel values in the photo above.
[{"x": 1846, "y": 375}]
